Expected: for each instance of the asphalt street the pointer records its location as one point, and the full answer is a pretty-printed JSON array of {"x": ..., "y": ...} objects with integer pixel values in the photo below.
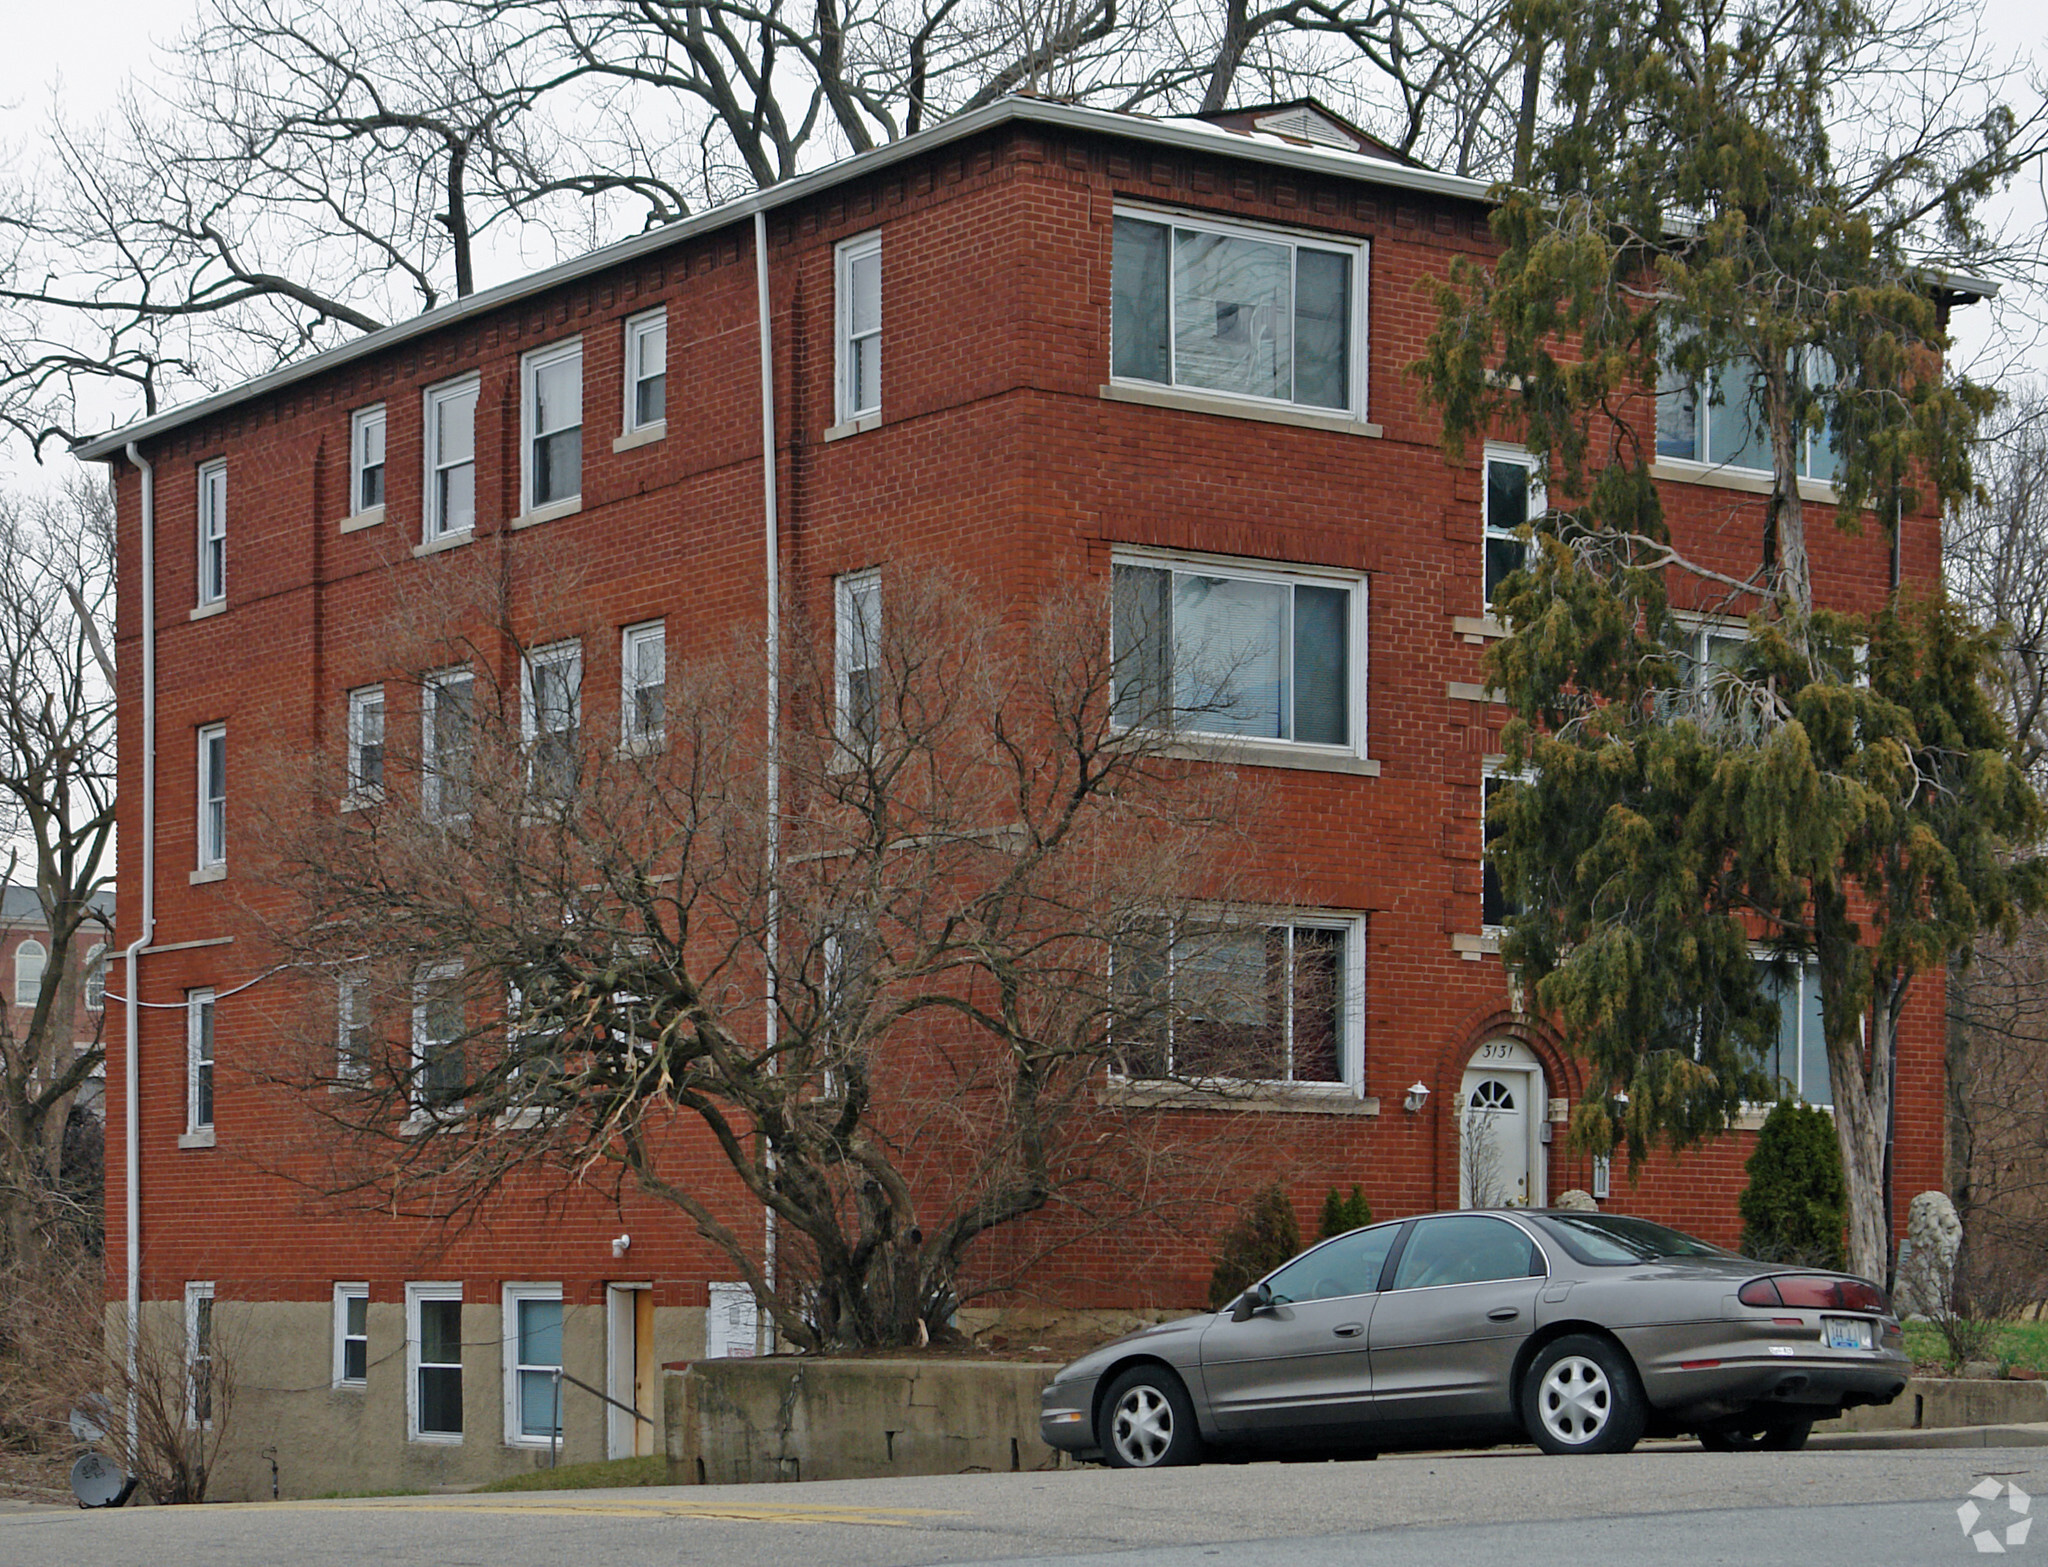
[{"x": 1670, "y": 1505}]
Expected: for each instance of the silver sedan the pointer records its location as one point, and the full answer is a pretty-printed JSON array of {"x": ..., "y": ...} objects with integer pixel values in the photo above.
[{"x": 1581, "y": 1332}]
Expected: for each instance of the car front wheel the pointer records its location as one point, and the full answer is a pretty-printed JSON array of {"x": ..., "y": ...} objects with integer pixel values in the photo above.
[
  {"x": 1580, "y": 1395},
  {"x": 1149, "y": 1421}
]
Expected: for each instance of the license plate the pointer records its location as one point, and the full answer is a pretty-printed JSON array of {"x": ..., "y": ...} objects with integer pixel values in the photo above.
[{"x": 1847, "y": 1333}]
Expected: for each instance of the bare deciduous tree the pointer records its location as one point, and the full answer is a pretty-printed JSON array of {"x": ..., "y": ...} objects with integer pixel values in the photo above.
[
  {"x": 56, "y": 817},
  {"x": 903, "y": 1002}
]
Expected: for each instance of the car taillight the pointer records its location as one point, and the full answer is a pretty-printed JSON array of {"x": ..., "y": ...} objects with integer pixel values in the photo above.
[{"x": 1815, "y": 1292}]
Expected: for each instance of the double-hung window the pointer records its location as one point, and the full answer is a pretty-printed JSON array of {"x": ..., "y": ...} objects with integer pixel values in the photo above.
[
  {"x": 433, "y": 1353},
  {"x": 1799, "y": 1060},
  {"x": 451, "y": 459},
  {"x": 213, "y": 796},
  {"x": 96, "y": 978},
  {"x": 351, "y": 1335},
  {"x": 353, "y": 1039},
  {"x": 1247, "y": 652},
  {"x": 643, "y": 695},
  {"x": 533, "y": 1364},
  {"x": 858, "y": 293},
  {"x": 1720, "y": 423},
  {"x": 213, "y": 533},
  {"x": 646, "y": 371},
  {"x": 858, "y": 652},
  {"x": 198, "y": 1061},
  {"x": 366, "y": 745},
  {"x": 1243, "y": 312},
  {"x": 551, "y": 711},
  {"x": 201, "y": 1369},
  {"x": 551, "y": 425},
  {"x": 439, "y": 1029},
  {"x": 366, "y": 460},
  {"x": 1495, "y": 907},
  {"x": 31, "y": 958},
  {"x": 1514, "y": 494},
  {"x": 447, "y": 743},
  {"x": 1278, "y": 1002},
  {"x": 1714, "y": 694}
]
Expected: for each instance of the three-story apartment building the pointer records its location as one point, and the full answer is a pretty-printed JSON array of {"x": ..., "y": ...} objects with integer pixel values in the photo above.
[{"x": 1036, "y": 343}]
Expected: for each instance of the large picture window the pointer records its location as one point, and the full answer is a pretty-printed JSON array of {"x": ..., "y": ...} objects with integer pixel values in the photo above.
[
  {"x": 1239, "y": 311},
  {"x": 1720, "y": 423},
  {"x": 1254, "y": 654},
  {"x": 1277, "y": 1002}
]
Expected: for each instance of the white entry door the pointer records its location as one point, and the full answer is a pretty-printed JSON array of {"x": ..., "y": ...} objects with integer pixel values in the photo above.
[
  {"x": 629, "y": 1370},
  {"x": 1500, "y": 1150}
]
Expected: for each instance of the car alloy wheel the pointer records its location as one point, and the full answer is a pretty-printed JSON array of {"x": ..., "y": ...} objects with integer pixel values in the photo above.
[
  {"x": 1149, "y": 1420},
  {"x": 1580, "y": 1395}
]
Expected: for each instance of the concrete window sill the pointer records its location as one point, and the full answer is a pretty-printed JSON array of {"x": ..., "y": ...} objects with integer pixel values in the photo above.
[
  {"x": 858, "y": 426},
  {"x": 646, "y": 435},
  {"x": 208, "y": 873},
  {"x": 368, "y": 517},
  {"x": 446, "y": 541},
  {"x": 1275, "y": 1098},
  {"x": 208, "y": 611},
  {"x": 198, "y": 1137},
  {"x": 1231, "y": 408},
  {"x": 568, "y": 507}
]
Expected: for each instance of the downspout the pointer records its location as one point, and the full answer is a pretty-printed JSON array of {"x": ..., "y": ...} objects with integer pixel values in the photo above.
[
  {"x": 131, "y": 955},
  {"x": 772, "y": 543}
]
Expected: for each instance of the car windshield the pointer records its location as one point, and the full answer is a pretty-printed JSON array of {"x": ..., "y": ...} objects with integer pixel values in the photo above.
[{"x": 1615, "y": 1240}]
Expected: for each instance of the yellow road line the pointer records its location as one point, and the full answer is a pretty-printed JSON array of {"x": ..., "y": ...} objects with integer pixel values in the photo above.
[{"x": 732, "y": 1512}]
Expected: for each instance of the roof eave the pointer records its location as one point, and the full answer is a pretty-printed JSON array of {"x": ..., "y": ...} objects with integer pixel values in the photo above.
[{"x": 1003, "y": 111}]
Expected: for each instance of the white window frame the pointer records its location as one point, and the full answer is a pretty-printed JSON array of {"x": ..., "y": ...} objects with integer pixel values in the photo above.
[
  {"x": 28, "y": 988},
  {"x": 1358, "y": 621},
  {"x": 1703, "y": 460},
  {"x": 424, "y": 1110},
  {"x": 96, "y": 978},
  {"x": 415, "y": 1296},
  {"x": 211, "y": 740},
  {"x": 569, "y": 655},
  {"x": 431, "y": 690},
  {"x": 1539, "y": 501},
  {"x": 198, "y": 1290},
  {"x": 213, "y": 532},
  {"x": 1359, "y": 250},
  {"x": 1807, "y": 972},
  {"x": 846, "y": 402},
  {"x": 202, "y": 1052},
  {"x": 360, "y": 702},
  {"x": 351, "y": 989},
  {"x": 360, "y": 424},
  {"x": 632, "y": 639},
  {"x": 530, "y": 366},
  {"x": 343, "y": 1294},
  {"x": 851, "y": 638},
  {"x": 1492, "y": 773},
  {"x": 1351, "y": 1082},
  {"x": 641, "y": 330},
  {"x": 515, "y": 1436},
  {"x": 433, "y": 514}
]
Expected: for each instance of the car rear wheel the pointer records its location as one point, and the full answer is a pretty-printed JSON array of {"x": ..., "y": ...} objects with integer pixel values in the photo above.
[
  {"x": 1765, "y": 1433},
  {"x": 1580, "y": 1395},
  {"x": 1148, "y": 1421}
]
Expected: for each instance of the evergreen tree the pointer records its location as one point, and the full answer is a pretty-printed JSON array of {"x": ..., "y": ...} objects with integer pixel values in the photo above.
[
  {"x": 1265, "y": 1234},
  {"x": 1341, "y": 1215},
  {"x": 1792, "y": 1208},
  {"x": 1834, "y": 787}
]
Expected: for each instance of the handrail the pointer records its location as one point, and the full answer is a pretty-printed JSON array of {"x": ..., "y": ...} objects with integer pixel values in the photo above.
[{"x": 555, "y": 1431}]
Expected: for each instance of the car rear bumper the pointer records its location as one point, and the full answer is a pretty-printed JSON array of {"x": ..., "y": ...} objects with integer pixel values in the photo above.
[{"x": 1813, "y": 1382}]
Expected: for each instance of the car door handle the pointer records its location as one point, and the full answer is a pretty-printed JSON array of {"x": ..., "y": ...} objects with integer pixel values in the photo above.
[
  {"x": 1503, "y": 1314},
  {"x": 1349, "y": 1330}
]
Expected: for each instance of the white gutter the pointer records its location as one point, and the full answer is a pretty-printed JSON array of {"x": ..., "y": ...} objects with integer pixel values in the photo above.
[
  {"x": 131, "y": 1006},
  {"x": 770, "y": 528}
]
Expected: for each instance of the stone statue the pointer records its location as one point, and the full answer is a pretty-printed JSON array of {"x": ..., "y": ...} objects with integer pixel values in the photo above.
[
  {"x": 1927, "y": 1261},
  {"x": 1577, "y": 1201}
]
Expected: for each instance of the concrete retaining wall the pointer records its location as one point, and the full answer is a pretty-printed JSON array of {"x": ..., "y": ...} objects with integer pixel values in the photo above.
[
  {"x": 1932, "y": 1402},
  {"x": 792, "y": 1418}
]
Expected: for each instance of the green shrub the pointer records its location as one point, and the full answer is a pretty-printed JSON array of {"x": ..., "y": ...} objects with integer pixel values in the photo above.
[
  {"x": 1795, "y": 1205},
  {"x": 1343, "y": 1214},
  {"x": 1265, "y": 1235}
]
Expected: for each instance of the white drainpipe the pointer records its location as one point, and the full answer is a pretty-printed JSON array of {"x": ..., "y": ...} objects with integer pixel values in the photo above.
[
  {"x": 771, "y": 530},
  {"x": 132, "y": 1007}
]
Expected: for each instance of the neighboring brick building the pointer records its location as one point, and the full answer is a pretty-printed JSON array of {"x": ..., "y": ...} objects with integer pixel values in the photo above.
[
  {"x": 25, "y": 972},
  {"x": 1255, "y": 428}
]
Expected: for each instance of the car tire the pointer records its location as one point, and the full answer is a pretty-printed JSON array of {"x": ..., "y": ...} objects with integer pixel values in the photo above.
[
  {"x": 1580, "y": 1395},
  {"x": 1771, "y": 1433},
  {"x": 1148, "y": 1421}
]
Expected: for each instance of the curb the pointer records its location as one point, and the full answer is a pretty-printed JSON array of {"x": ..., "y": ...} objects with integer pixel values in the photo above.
[{"x": 2029, "y": 1434}]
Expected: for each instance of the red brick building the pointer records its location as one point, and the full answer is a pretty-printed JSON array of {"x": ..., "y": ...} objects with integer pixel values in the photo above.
[
  {"x": 1035, "y": 343},
  {"x": 25, "y": 972}
]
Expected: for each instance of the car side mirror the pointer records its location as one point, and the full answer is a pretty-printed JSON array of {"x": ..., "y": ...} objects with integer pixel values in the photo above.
[{"x": 1254, "y": 1300}]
